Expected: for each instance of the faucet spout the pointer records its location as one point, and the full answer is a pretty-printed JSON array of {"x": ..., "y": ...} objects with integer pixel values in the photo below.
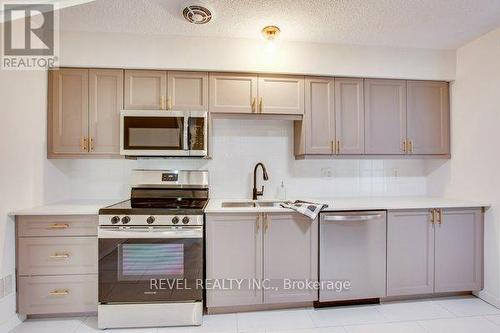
[{"x": 255, "y": 192}]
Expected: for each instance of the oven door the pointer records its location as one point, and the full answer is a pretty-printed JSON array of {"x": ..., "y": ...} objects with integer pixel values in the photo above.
[
  {"x": 154, "y": 133},
  {"x": 150, "y": 264}
]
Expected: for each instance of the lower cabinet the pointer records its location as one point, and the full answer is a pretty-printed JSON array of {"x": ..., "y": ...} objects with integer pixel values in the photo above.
[
  {"x": 434, "y": 251},
  {"x": 271, "y": 254},
  {"x": 56, "y": 264}
]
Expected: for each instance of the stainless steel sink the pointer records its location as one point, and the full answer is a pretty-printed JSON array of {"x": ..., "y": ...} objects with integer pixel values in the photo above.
[{"x": 250, "y": 204}]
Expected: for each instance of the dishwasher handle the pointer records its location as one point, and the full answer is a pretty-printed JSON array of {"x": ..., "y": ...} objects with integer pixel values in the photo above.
[{"x": 353, "y": 218}]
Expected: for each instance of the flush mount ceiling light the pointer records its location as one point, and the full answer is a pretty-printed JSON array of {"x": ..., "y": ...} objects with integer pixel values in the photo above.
[
  {"x": 197, "y": 14},
  {"x": 271, "y": 32}
]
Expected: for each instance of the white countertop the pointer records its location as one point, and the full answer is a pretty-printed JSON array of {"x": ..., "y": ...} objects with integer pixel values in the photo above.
[
  {"x": 91, "y": 207},
  {"x": 71, "y": 207},
  {"x": 355, "y": 203}
]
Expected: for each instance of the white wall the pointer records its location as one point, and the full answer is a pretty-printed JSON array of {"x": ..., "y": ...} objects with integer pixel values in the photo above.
[
  {"x": 474, "y": 170},
  {"x": 27, "y": 178}
]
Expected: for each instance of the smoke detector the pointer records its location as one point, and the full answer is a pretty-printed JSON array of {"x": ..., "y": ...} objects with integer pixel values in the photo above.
[{"x": 197, "y": 14}]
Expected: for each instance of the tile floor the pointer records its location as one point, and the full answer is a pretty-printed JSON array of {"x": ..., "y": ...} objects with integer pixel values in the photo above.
[{"x": 456, "y": 314}]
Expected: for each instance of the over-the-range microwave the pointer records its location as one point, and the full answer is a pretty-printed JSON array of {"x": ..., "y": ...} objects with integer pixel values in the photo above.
[{"x": 150, "y": 133}]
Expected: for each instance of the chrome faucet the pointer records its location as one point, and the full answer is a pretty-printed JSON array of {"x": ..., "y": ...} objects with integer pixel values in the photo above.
[{"x": 264, "y": 174}]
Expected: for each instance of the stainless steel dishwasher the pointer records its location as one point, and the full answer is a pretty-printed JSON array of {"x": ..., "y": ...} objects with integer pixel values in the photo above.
[{"x": 352, "y": 255}]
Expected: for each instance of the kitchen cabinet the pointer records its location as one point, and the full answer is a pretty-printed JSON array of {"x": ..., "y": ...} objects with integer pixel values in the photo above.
[
  {"x": 249, "y": 93},
  {"x": 385, "y": 117},
  {"x": 410, "y": 253},
  {"x": 428, "y": 118},
  {"x": 145, "y": 90},
  {"x": 234, "y": 251},
  {"x": 105, "y": 104},
  {"x": 281, "y": 94},
  {"x": 68, "y": 111},
  {"x": 315, "y": 134},
  {"x": 290, "y": 252},
  {"x": 259, "y": 246},
  {"x": 187, "y": 91},
  {"x": 349, "y": 116},
  {"x": 434, "y": 251},
  {"x": 459, "y": 250},
  {"x": 84, "y": 112},
  {"x": 233, "y": 93}
]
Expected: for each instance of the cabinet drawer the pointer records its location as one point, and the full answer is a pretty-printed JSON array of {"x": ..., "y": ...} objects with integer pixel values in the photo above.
[
  {"x": 77, "y": 225},
  {"x": 57, "y": 294},
  {"x": 57, "y": 255}
]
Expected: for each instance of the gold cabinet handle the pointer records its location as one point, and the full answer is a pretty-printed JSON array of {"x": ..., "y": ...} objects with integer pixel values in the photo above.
[
  {"x": 91, "y": 144},
  {"x": 338, "y": 146},
  {"x": 254, "y": 102},
  {"x": 433, "y": 216},
  {"x": 169, "y": 103},
  {"x": 332, "y": 144},
  {"x": 404, "y": 146},
  {"x": 410, "y": 146},
  {"x": 257, "y": 222},
  {"x": 84, "y": 143},
  {"x": 266, "y": 222},
  {"x": 261, "y": 104},
  {"x": 59, "y": 226},
  {"x": 438, "y": 216},
  {"x": 59, "y": 292},
  {"x": 57, "y": 255},
  {"x": 162, "y": 102}
]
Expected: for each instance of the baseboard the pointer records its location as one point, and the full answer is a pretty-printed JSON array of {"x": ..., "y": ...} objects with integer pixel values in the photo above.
[
  {"x": 489, "y": 298},
  {"x": 11, "y": 323}
]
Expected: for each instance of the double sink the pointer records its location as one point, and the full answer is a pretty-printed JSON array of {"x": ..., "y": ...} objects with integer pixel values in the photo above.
[{"x": 251, "y": 204}]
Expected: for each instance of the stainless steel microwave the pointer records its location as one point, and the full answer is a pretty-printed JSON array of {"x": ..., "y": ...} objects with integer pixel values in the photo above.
[{"x": 163, "y": 133}]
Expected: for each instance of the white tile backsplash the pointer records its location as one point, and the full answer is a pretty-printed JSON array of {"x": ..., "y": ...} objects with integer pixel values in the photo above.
[{"x": 237, "y": 146}]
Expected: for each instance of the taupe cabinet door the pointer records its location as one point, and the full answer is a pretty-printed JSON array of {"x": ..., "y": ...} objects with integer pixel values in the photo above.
[
  {"x": 281, "y": 94},
  {"x": 290, "y": 252},
  {"x": 410, "y": 253},
  {"x": 187, "y": 91},
  {"x": 234, "y": 251},
  {"x": 105, "y": 103},
  {"x": 385, "y": 116},
  {"x": 233, "y": 93},
  {"x": 319, "y": 117},
  {"x": 349, "y": 113},
  {"x": 459, "y": 250},
  {"x": 145, "y": 90},
  {"x": 428, "y": 117},
  {"x": 68, "y": 111}
]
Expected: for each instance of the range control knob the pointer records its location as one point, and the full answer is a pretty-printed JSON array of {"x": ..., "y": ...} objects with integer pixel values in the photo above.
[
  {"x": 150, "y": 220},
  {"x": 125, "y": 220},
  {"x": 115, "y": 219},
  {"x": 175, "y": 220},
  {"x": 185, "y": 220}
]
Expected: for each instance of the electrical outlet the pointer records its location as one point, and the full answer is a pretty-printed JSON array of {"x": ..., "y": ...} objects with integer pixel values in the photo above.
[
  {"x": 326, "y": 172},
  {"x": 7, "y": 285},
  {"x": 395, "y": 172}
]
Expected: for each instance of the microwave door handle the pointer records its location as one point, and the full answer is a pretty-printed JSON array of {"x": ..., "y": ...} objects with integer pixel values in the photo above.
[{"x": 185, "y": 142}]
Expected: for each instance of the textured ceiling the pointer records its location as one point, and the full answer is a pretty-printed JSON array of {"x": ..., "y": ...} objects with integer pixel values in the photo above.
[{"x": 440, "y": 24}]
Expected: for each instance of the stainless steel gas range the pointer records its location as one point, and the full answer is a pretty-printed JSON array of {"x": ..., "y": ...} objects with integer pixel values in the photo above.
[{"x": 151, "y": 252}]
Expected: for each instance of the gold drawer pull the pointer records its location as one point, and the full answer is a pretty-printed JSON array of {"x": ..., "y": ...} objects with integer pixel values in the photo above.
[
  {"x": 254, "y": 101},
  {"x": 261, "y": 105},
  {"x": 59, "y": 292},
  {"x": 63, "y": 255},
  {"x": 59, "y": 226}
]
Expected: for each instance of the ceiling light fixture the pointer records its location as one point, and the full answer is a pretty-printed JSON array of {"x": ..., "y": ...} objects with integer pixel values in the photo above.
[{"x": 271, "y": 32}]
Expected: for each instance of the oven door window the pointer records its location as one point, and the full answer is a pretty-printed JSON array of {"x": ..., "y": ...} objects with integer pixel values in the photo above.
[
  {"x": 150, "y": 270},
  {"x": 153, "y": 133}
]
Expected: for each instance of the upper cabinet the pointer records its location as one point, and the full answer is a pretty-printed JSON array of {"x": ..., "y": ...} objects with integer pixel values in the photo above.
[
  {"x": 68, "y": 112},
  {"x": 428, "y": 118},
  {"x": 385, "y": 117},
  {"x": 281, "y": 95},
  {"x": 145, "y": 90},
  {"x": 242, "y": 93},
  {"x": 84, "y": 112},
  {"x": 349, "y": 116},
  {"x": 187, "y": 91},
  {"x": 233, "y": 93}
]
